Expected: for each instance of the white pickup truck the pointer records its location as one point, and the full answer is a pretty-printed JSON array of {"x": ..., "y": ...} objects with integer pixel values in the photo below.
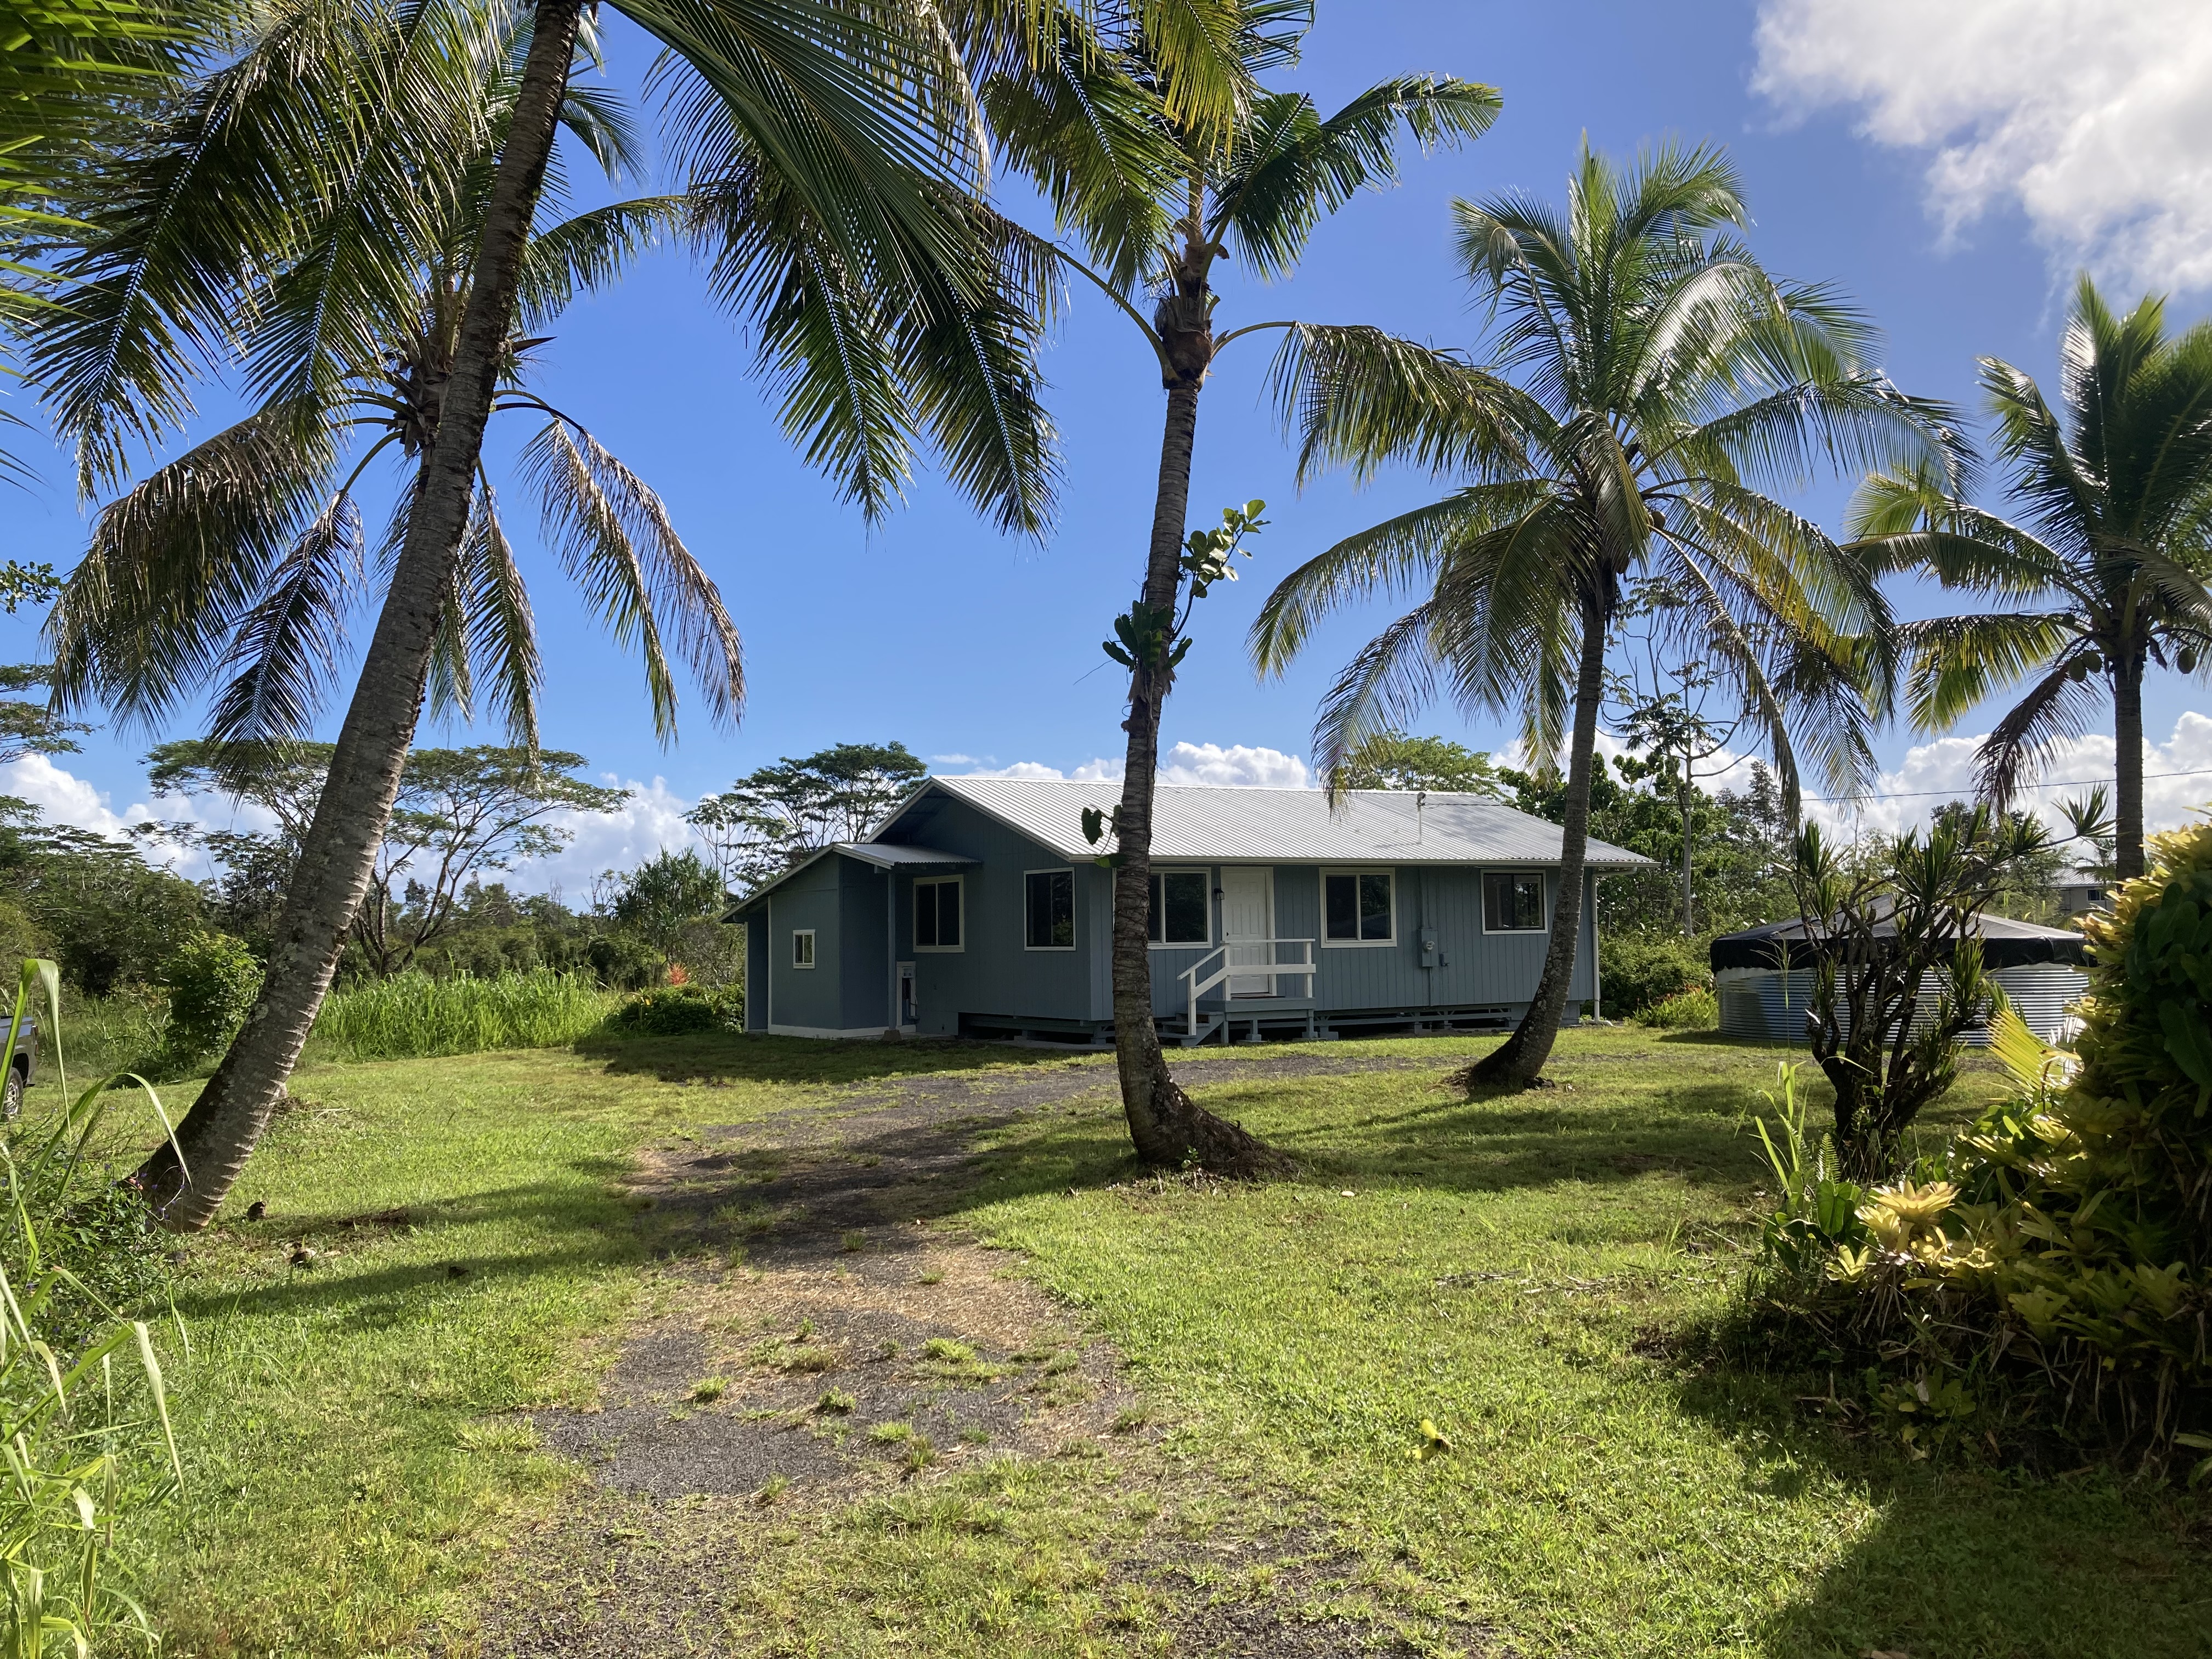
[{"x": 20, "y": 1061}]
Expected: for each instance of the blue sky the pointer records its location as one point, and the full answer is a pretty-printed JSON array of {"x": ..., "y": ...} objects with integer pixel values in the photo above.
[{"x": 1947, "y": 167}]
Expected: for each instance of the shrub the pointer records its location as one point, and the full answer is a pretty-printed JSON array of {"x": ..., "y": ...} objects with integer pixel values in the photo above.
[
  {"x": 212, "y": 980},
  {"x": 1694, "y": 1010},
  {"x": 624, "y": 961},
  {"x": 678, "y": 1010},
  {"x": 2060, "y": 1251},
  {"x": 1637, "y": 971},
  {"x": 411, "y": 1015}
]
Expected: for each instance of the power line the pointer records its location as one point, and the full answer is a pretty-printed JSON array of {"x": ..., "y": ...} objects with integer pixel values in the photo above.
[{"x": 2077, "y": 783}]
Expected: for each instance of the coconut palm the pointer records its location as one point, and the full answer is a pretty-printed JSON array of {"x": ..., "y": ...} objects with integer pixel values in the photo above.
[
  {"x": 1164, "y": 187},
  {"x": 1650, "y": 381},
  {"x": 2102, "y": 575},
  {"x": 289, "y": 213}
]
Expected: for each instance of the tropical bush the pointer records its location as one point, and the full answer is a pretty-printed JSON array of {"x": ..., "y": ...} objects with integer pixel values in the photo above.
[
  {"x": 678, "y": 1010},
  {"x": 1636, "y": 971},
  {"x": 1694, "y": 1010},
  {"x": 412, "y": 1015},
  {"x": 211, "y": 979},
  {"x": 2060, "y": 1254}
]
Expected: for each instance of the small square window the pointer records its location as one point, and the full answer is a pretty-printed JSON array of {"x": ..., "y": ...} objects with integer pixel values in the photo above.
[
  {"x": 1513, "y": 902},
  {"x": 1357, "y": 907},
  {"x": 802, "y": 948},
  {"x": 937, "y": 913},
  {"x": 1182, "y": 908},
  {"x": 1050, "y": 905}
]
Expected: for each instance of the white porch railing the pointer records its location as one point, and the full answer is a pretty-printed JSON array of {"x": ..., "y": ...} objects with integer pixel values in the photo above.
[{"x": 1238, "y": 959}]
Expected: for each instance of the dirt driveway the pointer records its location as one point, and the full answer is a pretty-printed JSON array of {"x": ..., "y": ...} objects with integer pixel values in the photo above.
[{"x": 815, "y": 1343}]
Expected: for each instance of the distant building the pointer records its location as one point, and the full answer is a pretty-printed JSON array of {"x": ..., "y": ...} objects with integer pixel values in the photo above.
[
  {"x": 2078, "y": 896},
  {"x": 979, "y": 909},
  {"x": 1763, "y": 978}
]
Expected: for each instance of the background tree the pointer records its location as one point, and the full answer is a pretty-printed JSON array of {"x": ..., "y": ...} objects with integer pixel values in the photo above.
[
  {"x": 459, "y": 814},
  {"x": 774, "y": 815},
  {"x": 285, "y": 214},
  {"x": 1392, "y": 760},
  {"x": 2102, "y": 576},
  {"x": 1651, "y": 381},
  {"x": 668, "y": 896},
  {"x": 31, "y": 728},
  {"x": 1167, "y": 168}
]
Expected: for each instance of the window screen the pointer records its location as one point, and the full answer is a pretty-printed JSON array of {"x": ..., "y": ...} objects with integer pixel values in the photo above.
[
  {"x": 1051, "y": 910},
  {"x": 1182, "y": 909},
  {"x": 937, "y": 914},
  {"x": 1513, "y": 902},
  {"x": 1356, "y": 905}
]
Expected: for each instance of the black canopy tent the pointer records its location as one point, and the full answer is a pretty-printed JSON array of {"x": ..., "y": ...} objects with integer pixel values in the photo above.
[{"x": 2005, "y": 944}]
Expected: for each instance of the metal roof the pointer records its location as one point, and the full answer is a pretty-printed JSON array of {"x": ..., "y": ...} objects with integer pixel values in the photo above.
[
  {"x": 885, "y": 855},
  {"x": 1283, "y": 826}
]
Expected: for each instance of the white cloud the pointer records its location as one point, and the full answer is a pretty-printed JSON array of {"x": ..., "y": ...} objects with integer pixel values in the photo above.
[
  {"x": 958, "y": 760},
  {"x": 1237, "y": 766},
  {"x": 650, "y": 822},
  {"x": 2093, "y": 116},
  {"x": 67, "y": 799},
  {"x": 2177, "y": 779}
]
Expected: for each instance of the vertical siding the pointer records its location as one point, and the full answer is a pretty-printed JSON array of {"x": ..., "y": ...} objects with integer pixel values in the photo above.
[
  {"x": 1768, "y": 1003},
  {"x": 994, "y": 973},
  {"x": 755, "y": 926},
  {"x": 863, "y": 966},
  {"x": 809, "y": 996}
]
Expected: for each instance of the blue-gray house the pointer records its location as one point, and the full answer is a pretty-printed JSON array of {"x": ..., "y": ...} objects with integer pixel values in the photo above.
[{"x": 978, "y": 910}]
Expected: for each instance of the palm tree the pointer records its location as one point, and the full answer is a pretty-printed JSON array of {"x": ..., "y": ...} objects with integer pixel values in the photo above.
[
  {"x": 1651, "y": 379},
  {"x": 1163, "y": 184},
  {"x": 291, "y": 213},
  {"x": 2103, "y": 576}
]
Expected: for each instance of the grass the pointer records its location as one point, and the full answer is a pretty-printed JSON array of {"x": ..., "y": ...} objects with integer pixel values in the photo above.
[
  {"x": 1515, "y": 1271},
  {"x": 412, "y": 1016}
]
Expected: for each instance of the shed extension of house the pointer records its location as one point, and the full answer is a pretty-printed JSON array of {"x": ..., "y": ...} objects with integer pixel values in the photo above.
[{"x": 978, "y": 910}]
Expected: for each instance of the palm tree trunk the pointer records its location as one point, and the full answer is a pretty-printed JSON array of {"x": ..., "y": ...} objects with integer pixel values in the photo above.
[
  {"x": 1516, "y": 1062},
  {"x": 2127, "y": 773},
  {"x": 1166, "y": 1126},
  {"x": 340, "y": 854}
]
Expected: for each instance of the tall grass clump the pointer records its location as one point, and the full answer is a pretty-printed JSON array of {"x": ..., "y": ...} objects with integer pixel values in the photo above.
[
  {"x": 412, "y": 1016},
  {"x": 84, "y": 1423}
]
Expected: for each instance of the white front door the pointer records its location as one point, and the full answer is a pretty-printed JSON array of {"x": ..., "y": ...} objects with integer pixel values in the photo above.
[{"x": 1248, "y": 912}]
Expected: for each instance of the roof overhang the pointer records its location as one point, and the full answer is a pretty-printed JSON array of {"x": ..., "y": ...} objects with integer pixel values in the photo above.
[{"x": 916, "y": 860}]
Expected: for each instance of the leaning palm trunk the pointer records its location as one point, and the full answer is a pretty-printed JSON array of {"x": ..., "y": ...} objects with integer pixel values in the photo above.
[
  {"x": 1516, "y": 1062},
  {"x": 1166, "y": 1126},
  {"x": 186, "y": 1182}
]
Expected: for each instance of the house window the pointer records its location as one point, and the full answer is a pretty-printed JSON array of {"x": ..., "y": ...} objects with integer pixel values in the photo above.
[
  {"x": 1049, "y": 909},
  {"x": 802, "y": 948},
  {"x": 1512, "y": 902},
  {"x": 1182, "y": 908},
  {"x": 1359, "y": 907},
  {"x": 937, "y": 913}
]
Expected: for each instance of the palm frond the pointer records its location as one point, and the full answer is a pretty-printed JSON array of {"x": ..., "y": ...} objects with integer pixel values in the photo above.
[
  {"x": 177, "y": 564},
  {"x": 1359, "y": 397},
  {"x": 502, "y": 634},
  {"x": 285, "y": 652},
  {"x": 2056, "y": 708},
  {"x": 614, "y": 538},
  {"x": 1292, "y": 167},
  {"x": 1956, "y": 661},
  {"x": 591, "y": 252}
]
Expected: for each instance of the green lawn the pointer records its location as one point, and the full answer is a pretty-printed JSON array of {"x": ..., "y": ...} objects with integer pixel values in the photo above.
[{"x": 1512, "y": 1269}]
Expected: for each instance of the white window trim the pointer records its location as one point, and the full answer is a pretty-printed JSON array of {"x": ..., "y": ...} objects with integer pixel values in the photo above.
[
  {"x": 1067, "y": 870},
  {"x": 1206, "y": 870},
  {"x": 1482, "y": 899},
  {"x": 921, "y": 882},
  {"x": 1328, "y": 944},
  {"x": 812, "y": 950}
]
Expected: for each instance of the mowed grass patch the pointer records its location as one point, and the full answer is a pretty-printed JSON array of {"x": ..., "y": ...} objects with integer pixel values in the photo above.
[
  {"x": 353, "y": 1421},
  {"x": 1503, "y": 1268}
]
